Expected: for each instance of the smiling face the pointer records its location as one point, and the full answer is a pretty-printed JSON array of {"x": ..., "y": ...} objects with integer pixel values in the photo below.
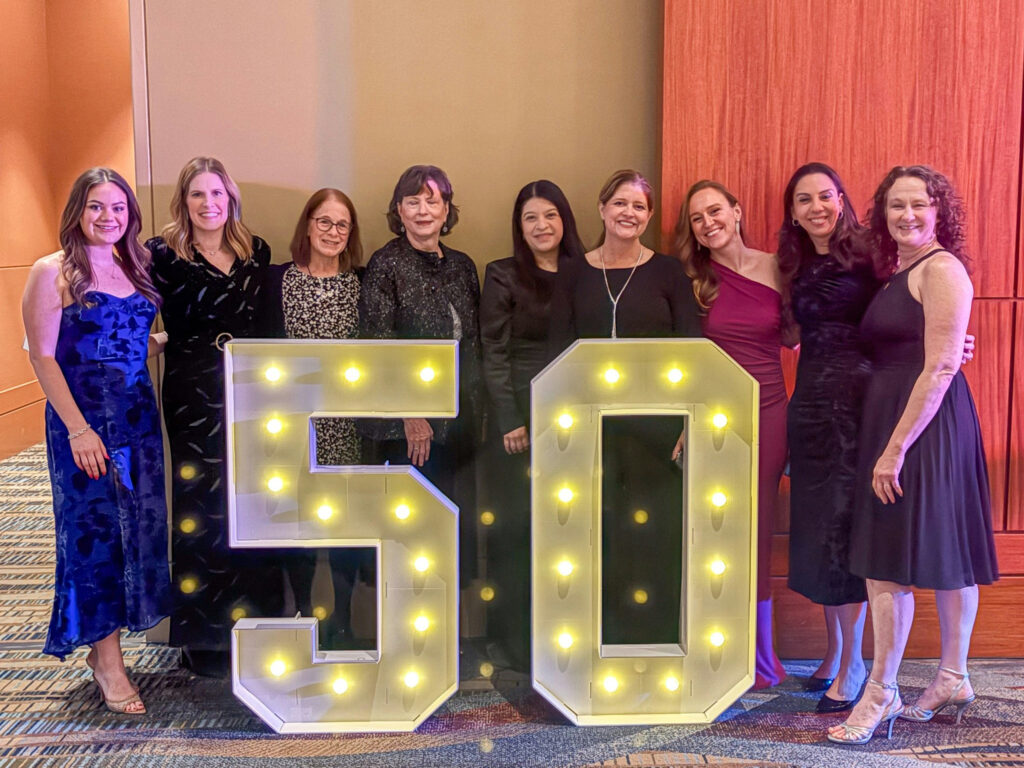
[
  {"x": 423, "y": 214},
  {"x": 542, "y": 226},
  {"x": 329, "y": 228},
  {"x": 817, "y": 205},
  {"x": 627, "y": 212},
  {"x": 105, "y": 215},
  {"x": 209, "y": 204},
  {"x": 910, "y": 213},
  {"x": 712, "y": 219}
]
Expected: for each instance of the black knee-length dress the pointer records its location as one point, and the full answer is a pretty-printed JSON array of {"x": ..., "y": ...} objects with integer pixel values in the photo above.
[{"x": 938, "y": 535}]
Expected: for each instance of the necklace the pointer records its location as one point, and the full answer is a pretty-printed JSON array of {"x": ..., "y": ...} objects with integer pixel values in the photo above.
[
  {"x": 209, "y": 253},
  {"x": 615, "y": 299}
]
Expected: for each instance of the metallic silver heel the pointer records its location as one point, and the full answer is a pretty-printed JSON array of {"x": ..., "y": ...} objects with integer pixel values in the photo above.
[
  {"x": 861, "y": 734},
  {"x": 918, "y": 714}
]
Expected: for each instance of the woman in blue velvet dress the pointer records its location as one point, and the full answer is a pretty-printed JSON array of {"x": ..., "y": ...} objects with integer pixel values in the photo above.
[{"x": 88, "y": 310}]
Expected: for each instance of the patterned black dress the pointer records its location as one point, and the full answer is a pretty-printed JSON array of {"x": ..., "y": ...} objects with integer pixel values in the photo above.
[
  {"x": 201, "y": 305},
  {"x": 824, "y": 416}
]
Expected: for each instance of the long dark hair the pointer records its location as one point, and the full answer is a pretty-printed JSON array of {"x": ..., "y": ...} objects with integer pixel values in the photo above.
[
  {"x": 571, "y": 246},
  {"x": 352, "y": 256},
  {"x": 74, "y": 262},
  {"x": 846, "y": 243},
  {"x": 950, "y": 217}
]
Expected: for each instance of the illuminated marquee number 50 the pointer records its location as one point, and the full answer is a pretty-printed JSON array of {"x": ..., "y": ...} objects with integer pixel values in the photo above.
[
  {"x": 713, "y": 663},
  {"x": 279, "y": 497}
]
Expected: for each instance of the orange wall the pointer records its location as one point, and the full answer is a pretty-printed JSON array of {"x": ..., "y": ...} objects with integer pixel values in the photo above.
[
  {"x": 66, "y": 106},
  {"x": 760, "y": 87}
]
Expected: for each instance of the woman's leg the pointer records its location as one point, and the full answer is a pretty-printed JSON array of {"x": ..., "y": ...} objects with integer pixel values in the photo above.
[
  {"x": 850, "y": 676},
  {"x": 829, "y": 666},
  {"x": 892, "y": 613},
  {"x": 108, "y": 669},
  {"x": 957, "y": 610}
]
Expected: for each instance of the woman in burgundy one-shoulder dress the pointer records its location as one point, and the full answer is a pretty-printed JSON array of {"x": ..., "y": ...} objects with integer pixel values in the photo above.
[{"x": 739, "y": 289}]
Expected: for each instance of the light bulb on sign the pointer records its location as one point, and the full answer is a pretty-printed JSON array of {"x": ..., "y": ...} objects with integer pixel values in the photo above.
[
  {"x": 718, "y": 499},
  {"x": 487, "y": 594},
  {"x": 675, "y": 375},
  {"x": 611, "y": 375},
  {"x": 565, "y": 421},
  {"x": 187, "y": 525},
  {"x": 565, "y": 494},
  {"x": 717, "y": 567},
  {"x": 273, "y": 373},
  {"x": 487, "y": 518},
  {"x": 352, "y": 374},
  {"x": 421, "y": 564},
  {"x": 640, "y": 517},
  {"x": 421, "y": 624},
  {"x": 275, "y": 483},
  {"x": 274, "y": 425},
  {"x": 427, "y": 374},
  {"x": 565, "y": 641},
  {"x": 716, "y": 638},
  {"x": 672, "y": 683},
  {"x": 565, "y": 568},
  {"x": 340, "y": 686},
  {"x": 640, "y": 596},
  {"x": 278, "y": 667},
  {"x": 611, "y": 684},
  {"x": 411, "y": 679},
  {"x": 324, "y": 512},
  {"x": 719, "y": 420},
  {"x": 402, "y": 511}
]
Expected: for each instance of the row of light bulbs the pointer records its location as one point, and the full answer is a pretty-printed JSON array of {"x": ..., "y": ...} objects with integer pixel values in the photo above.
[{"x": 352, "y": 374}]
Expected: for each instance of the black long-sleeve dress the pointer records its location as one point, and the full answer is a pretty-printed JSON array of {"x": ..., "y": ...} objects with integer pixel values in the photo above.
[
  {"x": 202, "y": 306},
  {"x": 514, "y": 324},
  {"x": 641, "y": 563},
  {"x": 412, "y": 294}
]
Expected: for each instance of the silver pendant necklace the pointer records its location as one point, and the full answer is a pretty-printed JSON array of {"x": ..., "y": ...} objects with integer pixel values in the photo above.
[{"x": 615, "y": 299}]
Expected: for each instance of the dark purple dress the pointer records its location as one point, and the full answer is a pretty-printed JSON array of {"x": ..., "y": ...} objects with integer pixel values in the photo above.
[
  {"x": 938, "y": 535},
  {"x": 746, "y": 321}
]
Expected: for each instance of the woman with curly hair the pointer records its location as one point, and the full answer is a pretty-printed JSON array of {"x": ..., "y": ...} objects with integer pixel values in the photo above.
[{"x": 922, "y": 516}]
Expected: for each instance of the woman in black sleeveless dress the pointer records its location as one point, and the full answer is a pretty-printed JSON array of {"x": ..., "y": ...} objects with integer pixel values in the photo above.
[{"x": 922, "y": 515}]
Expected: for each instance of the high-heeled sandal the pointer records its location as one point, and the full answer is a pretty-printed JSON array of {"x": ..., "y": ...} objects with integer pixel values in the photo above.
[
  {"x": 921, "y": 715},
  {"x": 861, "y": 734},
  {"x": 119, "y": 707}
]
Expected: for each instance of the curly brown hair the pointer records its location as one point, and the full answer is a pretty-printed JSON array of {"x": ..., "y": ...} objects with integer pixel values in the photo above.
[{"x": 950, "y": 219}]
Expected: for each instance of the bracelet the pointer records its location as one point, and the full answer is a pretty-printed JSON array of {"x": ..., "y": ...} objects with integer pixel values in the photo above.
[{"x": 79, "y": 433}]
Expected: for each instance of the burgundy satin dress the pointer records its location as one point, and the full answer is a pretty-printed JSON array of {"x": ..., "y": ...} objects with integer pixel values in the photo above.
[{"x": 746, "y": 321}]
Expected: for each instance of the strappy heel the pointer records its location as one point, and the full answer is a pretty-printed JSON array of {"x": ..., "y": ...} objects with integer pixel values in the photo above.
[
  {"x": 121, "y": 706},
  {"x": 861, "y": 734},
  {"x": 921, "y": 715}
]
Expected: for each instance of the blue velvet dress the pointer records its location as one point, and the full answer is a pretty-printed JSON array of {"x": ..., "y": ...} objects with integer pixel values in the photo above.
[{"x": 112, "y": 532}]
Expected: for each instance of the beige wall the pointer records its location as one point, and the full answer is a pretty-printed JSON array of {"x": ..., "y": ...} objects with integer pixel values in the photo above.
[
  {"x": 65, "y": 105},
  {"x": 348, "y": 93}
]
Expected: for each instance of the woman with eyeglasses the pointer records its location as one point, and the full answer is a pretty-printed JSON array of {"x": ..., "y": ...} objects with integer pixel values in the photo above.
[{"x": 316, "y": 296}]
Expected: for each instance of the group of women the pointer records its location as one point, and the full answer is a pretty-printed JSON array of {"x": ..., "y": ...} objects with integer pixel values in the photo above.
[{"x": 889, "y": 486}]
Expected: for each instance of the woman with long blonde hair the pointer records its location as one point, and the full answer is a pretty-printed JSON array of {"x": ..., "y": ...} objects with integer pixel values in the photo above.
[{"x": 209, "y": 269}]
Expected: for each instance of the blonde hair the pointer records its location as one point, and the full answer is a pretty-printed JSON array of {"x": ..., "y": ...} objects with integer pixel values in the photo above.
[
  {"x": 179, "y": 235},
  {"x": 696, "y": 258},
  {"x": 75, "y": 268}
]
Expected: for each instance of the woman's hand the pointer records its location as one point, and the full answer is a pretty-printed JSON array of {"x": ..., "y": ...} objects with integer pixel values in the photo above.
[
  {"x": 677, "y": 450},
  {"x": 418, "y": 433},
  {"x": 968, "y": 349},
  {"x": 886, "y": 479},
  {"x": 90, "y": 454},
  {"x": 517, "y": 441}
]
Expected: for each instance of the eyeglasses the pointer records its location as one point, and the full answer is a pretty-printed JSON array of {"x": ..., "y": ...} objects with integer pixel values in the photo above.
[{"x": 326, "y": 225}]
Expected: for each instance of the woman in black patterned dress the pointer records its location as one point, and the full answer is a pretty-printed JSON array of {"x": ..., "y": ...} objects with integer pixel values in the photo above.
[
  {"x": 209, "y": 270},
  {"x": 416, "y": 287},
  {"x": 316, "y": 296},
  {"x": 828, "y": 270}
]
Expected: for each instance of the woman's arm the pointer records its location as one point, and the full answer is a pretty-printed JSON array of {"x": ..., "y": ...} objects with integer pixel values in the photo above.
[
  {"x": 496, "y": 306},
  {"x": 157, "y": 342},
  {"x": 945, "y": 293},
  {"x": 41, "y": 309}
]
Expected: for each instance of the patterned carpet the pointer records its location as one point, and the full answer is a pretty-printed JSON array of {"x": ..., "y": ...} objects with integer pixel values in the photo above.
[{"x": 50, "y": 713}]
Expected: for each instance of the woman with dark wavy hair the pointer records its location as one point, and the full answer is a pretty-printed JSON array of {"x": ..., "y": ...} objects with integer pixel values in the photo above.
[
  {"x": 827, "y": 269},
  {"x": 515, "y": 310},
  {"x": 922, "y": 516},
  {"x": 88, "y": 310}
]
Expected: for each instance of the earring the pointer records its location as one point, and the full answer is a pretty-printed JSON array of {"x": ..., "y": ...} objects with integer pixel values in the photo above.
[
  {"x": 401, "y": 228},
  {"x": 795, "y": 223},
  {"x": 444, "y": 229},
  {"x": 840, "y": 213}
]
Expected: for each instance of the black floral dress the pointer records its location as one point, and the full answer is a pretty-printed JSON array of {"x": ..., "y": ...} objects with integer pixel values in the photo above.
[{"x": 203, "y": 306}]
